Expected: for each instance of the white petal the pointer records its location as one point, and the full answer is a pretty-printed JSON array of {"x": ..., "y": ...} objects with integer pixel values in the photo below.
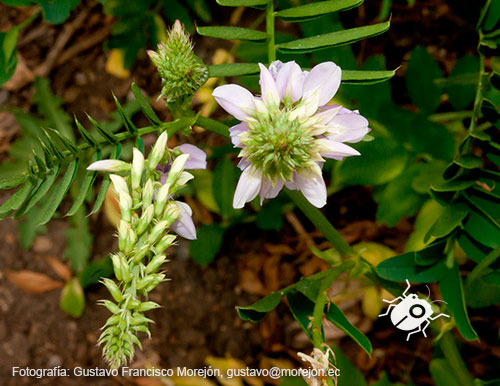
[
  {"x": 235, "y": 132},
  {"x": 248, "y": 187},
  {"x": 236, "y": 100},
  {"x": 288, "y": 79},
  {"x": 313, "y": 188},
  {"x": 325, "y": 78},
  {"x": 267, "y": 190},
  {"x": 184, "y": 225},
  {"x": 268, "y": 87},
  {"x": 338, "y": 149}
]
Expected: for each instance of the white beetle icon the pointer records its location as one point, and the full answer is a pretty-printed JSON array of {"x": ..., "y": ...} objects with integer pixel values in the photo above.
[{"x": 411, "y": 313}]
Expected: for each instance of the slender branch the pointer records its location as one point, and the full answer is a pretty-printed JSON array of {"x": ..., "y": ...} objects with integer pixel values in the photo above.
[
  {"x": 323, "y": 225},
  {"x": 482, "y": 265},
  {"x": 479, "y": 96},
  {"x": 271, "y": 48},
  {"x": 452, "y": 355}
]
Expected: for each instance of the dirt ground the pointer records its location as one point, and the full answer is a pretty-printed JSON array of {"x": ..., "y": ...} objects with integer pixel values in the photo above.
[{"x": 198, "y": 318}]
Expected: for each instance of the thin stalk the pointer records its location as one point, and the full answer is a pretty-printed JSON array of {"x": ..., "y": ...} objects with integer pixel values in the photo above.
[
  {"x": 479, "y": 96},
  {"x": 450, "y": 116},
  {"x": 317, "y": 319},
  {"x": 482, "y": 265},
  {"x": 271, "y": 48},
  {"x": 323, "y": 225},
  {"x": 452, "y": 355}
]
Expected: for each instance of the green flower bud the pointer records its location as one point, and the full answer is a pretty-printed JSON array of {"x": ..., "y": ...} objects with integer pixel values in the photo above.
[
  {"x": 125, "y": 204},
  {"x": 158, "y": 150},
  {"x": 137, "y": 168},
  {"x": 182, "y": 72},
  {"x": 157, "y": 231},
  {"x": 172, "y": 212},
  {"x": 113, "y": 289},
  {"x": 145, "y": 220},
  {"x": 161, "y": 199},
  {"x": 141, "y": 252},
  {"x": 117, "y": 266},
  {"x": 119, "y": 184},
  {"x": 146, "y": 306},
  {"x": 155, "y": 263},
  {"x": 177, "y": 168},
  {"x": 112, "y": 307},
  {"x": 147, "y": 194},
  {"x": 123, "y": 234}
]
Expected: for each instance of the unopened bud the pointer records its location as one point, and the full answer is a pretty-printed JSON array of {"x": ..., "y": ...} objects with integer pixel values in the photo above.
[
  {"x": 161, "y": 199},
  {"x": 125, "y": 206},
  {"x": 122, "y": 234},
  {"x": 147, "y": 194},
  {"x": 158, "y": 150},
  {"x": 145, "y": 220},
  {"x": 157, "y": 231},
  {"x": 113, "y": 289},
  {"x": 141, "y": 253},
  {"x": 155, "y": 263},
  {"x": 119, "y": 184},
  {"x": 177, "y": 168},
  {"x": 110, "y": 165},
  {"x": 137, "y": 168},
  {"x": 165, "y": 242},
  {"x": 117, "y": 266}
]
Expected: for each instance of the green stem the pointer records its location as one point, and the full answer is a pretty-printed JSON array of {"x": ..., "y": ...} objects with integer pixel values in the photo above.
[
  {"x": 452, "y": 355},
  {"x": 479, "y": 96},
  {"x": 483, "y": 264},
  {"x": 450, "y": 116},
  {"x": 271, "y": 48},
  {"x": 317, "y": 319},
  {"x": 323, "y": 225}
]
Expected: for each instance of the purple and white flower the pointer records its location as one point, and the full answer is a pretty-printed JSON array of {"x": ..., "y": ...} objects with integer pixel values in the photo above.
[
  {"x": 286, "y": 133},
  {"x": 184, "y": 225}
]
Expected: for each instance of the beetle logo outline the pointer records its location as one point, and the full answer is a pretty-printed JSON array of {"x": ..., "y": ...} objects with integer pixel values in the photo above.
[{"x": 411, "y": 313}]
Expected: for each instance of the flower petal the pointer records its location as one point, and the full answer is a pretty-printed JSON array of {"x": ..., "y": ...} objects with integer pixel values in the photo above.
[
  {"x": 236, "y": 100},
  {"x": 349, "y": 126},
  {"x": 184, "y": 225},
  {"x": 235, "y": 131},
  {"x": 267, "y": 189},
  {"x": 290, "y": 80},
  {"x": 268, "y": 87},
  {"x": 325, "y": 78},
  {"x": 334, "y": 149},
  {"x": 313, "y": 188},
  {"x": 197, "y": 157},
  {"x": 248, "y": 187}
]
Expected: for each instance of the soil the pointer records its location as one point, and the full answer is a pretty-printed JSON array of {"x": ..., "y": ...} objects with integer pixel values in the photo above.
[{"x": 198, "y": 317}]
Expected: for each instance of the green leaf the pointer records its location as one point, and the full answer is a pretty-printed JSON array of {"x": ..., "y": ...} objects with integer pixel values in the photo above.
[
  {"x": 95, "y": 271},
  {"x": 451, "y": 217},
  {"x": 405, "y": 266},
  {"x": 242, "y": 3},
  {"x": 337, "y": 317},
  {"x": 86, "y": 135},
  {"x": 17, "y": 199},
  {"x": 107, "y": 135},
  {"x": 203, "y": 184},
  {"x": 232, "y": 33},
  {"x": 483, "y": 229},
  {"x": 78, "y": 241},
  {"x": 144, "y": 104},
  {"x": 333, "y": 39},
  {"x": 82, "y": 193},
  {"x": 473, "y": 249},
  {"x": 126, "y": 120},
  {"x": 201, "y": 8},
  {"x": 421, "y": 74},
  {"x": 313, "y": 10},
  {"x": 102, "y": 194},
  {"x": 39, "y": 193},
  {"x": 461, "y": 95},
  {"x": 364, "y": 77},
  {"x": 28, "y": 228},
  {"x": 441, "y": 373},
  {"x": 382, "y": 160},
  {"x": 234, "y": 69},
  {"x": 468, "y": 162},
  {"x": 72, "y": 298},
  {"x": 483, "y": 292},
  {"x": 224, "y": 184},
  {"x": 398, "y": 199},
  {"x": 56, "y": 12},
  {"x": 57, "y": 194},
  {"x": 8, "y": 54},
  {"x": 349, "y": 375},
  {"x": 270, "y": 217},
  {"x": 257, "y": 311},
  {"x": 452, "y": 290},
  {"x": 208, "y": 242},
  {"x": 302, "y": 309},
  {"x": 12, "y": 182}
]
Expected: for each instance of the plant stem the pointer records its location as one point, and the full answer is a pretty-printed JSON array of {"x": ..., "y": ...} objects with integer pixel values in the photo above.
[
  {"x": 271, "y": 49},
  {"x": 482, "y": 265},
  {"x": 450, "y": 351},
  {"x": 317, "y": 318},
  {"x": 479, "y": 96},
  {"x": 450, "y": 116},
  {"x": 323, "y": 225}
]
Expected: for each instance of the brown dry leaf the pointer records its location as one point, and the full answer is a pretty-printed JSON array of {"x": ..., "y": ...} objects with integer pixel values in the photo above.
[
  {"x": 250, "y": 282},
  {"x": 271, "y": 273},
  {"x": 61, "y": 269},
  {"x": 22, "y": 76},
  {"x": 33, "y": 282}
]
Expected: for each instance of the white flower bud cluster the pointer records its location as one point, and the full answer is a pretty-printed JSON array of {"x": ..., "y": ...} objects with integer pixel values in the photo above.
[{"x": 147, "y": 211}]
